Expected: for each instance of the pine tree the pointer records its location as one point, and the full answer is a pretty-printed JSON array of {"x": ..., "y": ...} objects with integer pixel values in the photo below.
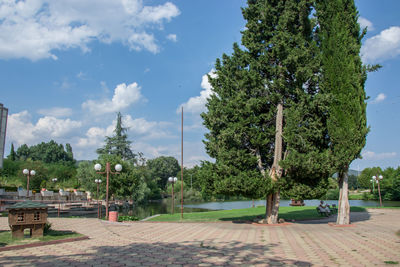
[
  {"x": 70, "y": 154},
  {"x": 343, "y": 80},
  {"x": 118, "y": 144},
  {"x": 254, "y": 127}
]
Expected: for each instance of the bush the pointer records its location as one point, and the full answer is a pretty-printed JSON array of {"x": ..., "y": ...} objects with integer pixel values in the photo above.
[
  {"x": 368, "y": 196},
  {"x": 127, "y": 218},
  {"x": 47, "y": 228},
  {"x": 332, "y": 194}
]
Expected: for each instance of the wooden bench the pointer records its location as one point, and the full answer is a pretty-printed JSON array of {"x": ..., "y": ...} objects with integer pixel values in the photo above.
[{"x": 322, "y": 213}]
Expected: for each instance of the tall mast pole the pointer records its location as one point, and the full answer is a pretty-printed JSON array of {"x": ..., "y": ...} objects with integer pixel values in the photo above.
[{"x": 182, "y": 166}]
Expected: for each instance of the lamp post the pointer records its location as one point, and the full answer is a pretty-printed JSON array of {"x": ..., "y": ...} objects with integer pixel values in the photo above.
[
  {"x": 172, "y": 180},
  {"x": 377, "y": 178},
  {"x": 373, "y": 185},
  {"x": 98, "y": 182},
  {"x": 28, "y": 173},
  {"x": 54, "y": 180},
  {"x": 118, "y": 168}
]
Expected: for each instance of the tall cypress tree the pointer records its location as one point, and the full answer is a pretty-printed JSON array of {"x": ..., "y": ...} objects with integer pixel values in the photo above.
[
  {"x": 343, "y": 79},
  {"x": 12, "y": 155},
  {"x": 254, "y": 128}
]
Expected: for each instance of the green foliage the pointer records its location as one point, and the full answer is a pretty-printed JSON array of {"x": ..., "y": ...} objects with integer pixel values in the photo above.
[
  {"x": 12, "y": 156},
  {"x": 35, "y": 181},
  {"x": 287, "y": 213},
  {"x": 118, "y": 144},
  {"x": 50, "y": 152},
  {"x": 10, "y": 168},
  {"x": 86, "y": 175},
  {"x": 353, "y": 182},
  {"x": 162, "y": 168},
  {"x": 332, "y": 194},
  {"x": 47, "y": 228},
  {"x": 343, "y": 80},
  {"x": 278, "y": 65},
  {"x": 43, "y": 184},
  {"x": 123, "y": 218},
  {"x": 365, "y": 177}
]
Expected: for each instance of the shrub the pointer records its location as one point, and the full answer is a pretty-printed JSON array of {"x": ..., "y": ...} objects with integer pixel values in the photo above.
[
  {"x": 367, "y": 196},
  {"x": 127, "y": 218},
  {"x": 47, "y": 228},
  {"x": 332, "y": 194}
]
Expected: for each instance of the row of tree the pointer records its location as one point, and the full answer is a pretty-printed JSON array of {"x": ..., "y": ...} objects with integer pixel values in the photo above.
[
  {"x": 288, "y": 106},
  {"x": 50, "y": 152},
  {"x": 389, "y": 185}
]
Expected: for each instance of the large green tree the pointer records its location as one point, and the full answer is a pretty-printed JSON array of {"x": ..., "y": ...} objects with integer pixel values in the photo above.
[
  {"x": 343, "y": 79},
  {"x": 162, "y": 168},
  {"x": 50, "y": 152},
  {"x": 118, "y": 144},
  {"x": 266, "y": 118}
]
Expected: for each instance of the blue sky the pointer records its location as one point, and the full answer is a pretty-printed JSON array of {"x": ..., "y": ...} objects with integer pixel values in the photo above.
[{"x": 67, "y": 67}]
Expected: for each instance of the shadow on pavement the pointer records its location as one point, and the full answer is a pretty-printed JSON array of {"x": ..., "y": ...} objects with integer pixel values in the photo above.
[
  {"x": 163, "y": 254},
  {"x": 354, "y": 217}
]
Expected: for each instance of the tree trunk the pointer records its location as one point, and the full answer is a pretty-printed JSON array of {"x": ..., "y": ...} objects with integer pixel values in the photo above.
[
  {"x": 272, "y": 207},
  {"x": 343, "y": 216}
]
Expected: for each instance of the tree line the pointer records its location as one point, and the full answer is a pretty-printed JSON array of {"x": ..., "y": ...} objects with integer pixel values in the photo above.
[{"x": 287, "y": 110}]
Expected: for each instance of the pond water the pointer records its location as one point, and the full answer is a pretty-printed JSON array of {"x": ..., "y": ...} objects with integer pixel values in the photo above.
[
  {"x": 164, "y": 206},
  {"x": 229, "y": 205}
]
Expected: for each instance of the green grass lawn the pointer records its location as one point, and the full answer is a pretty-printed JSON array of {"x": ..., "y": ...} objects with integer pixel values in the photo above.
[
  {"x": 7, "y": 240},
  {"x": 287, "y": 213}
]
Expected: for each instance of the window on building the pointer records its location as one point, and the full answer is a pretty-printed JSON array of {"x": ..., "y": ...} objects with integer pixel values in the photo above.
[
  {"x": 36, "y": 216},
  {"x": 20, "y": 217}
]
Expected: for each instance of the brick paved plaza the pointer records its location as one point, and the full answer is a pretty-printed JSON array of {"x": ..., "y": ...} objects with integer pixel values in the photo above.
[{"x": 370, "y": 241}]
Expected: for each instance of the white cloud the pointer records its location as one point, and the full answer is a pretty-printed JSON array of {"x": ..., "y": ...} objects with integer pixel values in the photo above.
[
  {"x": 197, "y": 104},
  {"x": 34, "y": 29},
  {"x": 21, "y": 130},
  {"x": 94, "y": 137},
  {"x": 124, "y": 96},
  {"x": 81, "y": 75},
  {"x": 365, "y": 23},
  {"x": 56, "y": 112},
  {"x": 146, "y": 129},
  {"x": 379, "y": 98},
  {"x": 138, "y": 129},
  {"x": 172, "y": 37},
  {"x": 370, "y": 155},
  {"x": 383, "y": 46},
  {"x": 193, "y": 152}
]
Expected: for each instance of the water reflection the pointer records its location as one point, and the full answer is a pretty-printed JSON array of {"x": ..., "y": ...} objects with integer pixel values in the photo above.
[{"x": 157, "y": 207}]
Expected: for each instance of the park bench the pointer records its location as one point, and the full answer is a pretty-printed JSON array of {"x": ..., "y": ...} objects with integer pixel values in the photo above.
[
  {"x": 322, "y": 213},
  {"x": 332, "y": 208}
]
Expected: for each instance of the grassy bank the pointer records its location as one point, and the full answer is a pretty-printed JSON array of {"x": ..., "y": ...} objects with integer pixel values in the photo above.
[
  {"x": 249, "y": 214},
  {"x": 7, "y": 240}
]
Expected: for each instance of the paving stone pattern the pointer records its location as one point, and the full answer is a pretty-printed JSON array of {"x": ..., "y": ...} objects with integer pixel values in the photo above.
[{"x": 370, "y": 242}]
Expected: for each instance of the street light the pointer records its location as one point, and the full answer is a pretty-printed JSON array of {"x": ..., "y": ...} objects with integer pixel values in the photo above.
[
  {"x": 118, "y": 168},
  {"x": 373, "y": 185},
  {"x": 54, "y": 180},
  {"x": 377, "y": 178},
  {"x": 172, "y": 180},
  {"x": 98, "y": 182},
  {"x": 28, "y": 173}
]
